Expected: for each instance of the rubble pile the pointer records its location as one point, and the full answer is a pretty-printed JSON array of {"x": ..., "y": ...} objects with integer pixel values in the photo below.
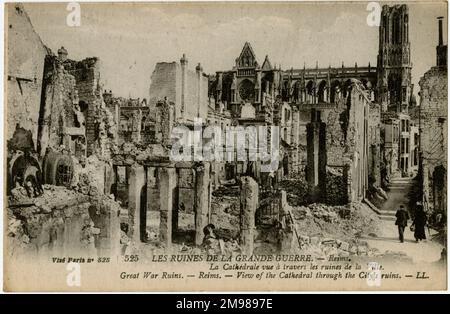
[
  {"x": 346, "y": 221},
  {"x": 130, "y": 152},
  {"x": 336, "y": 187},
  {"x": 60, "y": 219},
  {"x": 335, "y": 230},
  {"x": 89, "y": 180},
  {"x": 225, "y": 212},
  {"x": 296, "y": 189}
]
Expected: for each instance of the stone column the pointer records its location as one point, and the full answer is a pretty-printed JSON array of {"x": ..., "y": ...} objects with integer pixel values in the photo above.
[
  {"x": 312, "y": 166},
  {"x": 136, "y": 181},
  {"x": 316, "y": 156},
  {"x": 249, "y": 202},
  {"x": 184, "y": 65},
  {"x": 202, "y": 182},
  {"x": 167, "y": 185},
  {"x": 137, "y": 124},
  {"x": 117, "y": 118},
  {"x": 199, "y": 71}
]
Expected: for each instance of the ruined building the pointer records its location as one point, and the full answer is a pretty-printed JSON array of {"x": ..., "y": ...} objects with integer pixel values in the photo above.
[
  {"x": 342, "y": 129},
  {"x": 433, "y": 126},
  {"x": 135, "y": 122},
  {"x": 59, "y": 135}
]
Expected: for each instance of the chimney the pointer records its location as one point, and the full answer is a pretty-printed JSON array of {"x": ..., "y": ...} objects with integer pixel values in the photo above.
[
  {"x": 62, "y": 54},
  {"x": 184, "y": 64},
  {"x": 441, "y": 49}
]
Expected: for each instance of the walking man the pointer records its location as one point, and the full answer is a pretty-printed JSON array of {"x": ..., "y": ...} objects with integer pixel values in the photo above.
[{"x": 401, "y": 221}]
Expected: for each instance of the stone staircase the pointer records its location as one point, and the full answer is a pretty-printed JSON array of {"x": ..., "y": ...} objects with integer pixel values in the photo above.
[{"x": 397, "y": 195}]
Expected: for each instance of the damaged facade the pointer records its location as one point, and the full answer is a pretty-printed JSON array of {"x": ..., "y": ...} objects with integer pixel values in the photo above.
[
  {"x": 59, "y": 134},
  {"x": 433, "y": 137}
]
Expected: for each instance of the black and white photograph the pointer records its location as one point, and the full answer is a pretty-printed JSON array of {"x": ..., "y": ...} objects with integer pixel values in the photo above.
[{"x": 225, "y": 146}]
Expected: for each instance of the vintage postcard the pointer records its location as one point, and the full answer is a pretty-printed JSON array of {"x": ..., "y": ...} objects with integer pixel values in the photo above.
[{"x": 225, "y": 146}]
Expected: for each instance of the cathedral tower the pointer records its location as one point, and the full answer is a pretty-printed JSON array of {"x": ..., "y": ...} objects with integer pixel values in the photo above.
[{"x": 394, "y": 59}]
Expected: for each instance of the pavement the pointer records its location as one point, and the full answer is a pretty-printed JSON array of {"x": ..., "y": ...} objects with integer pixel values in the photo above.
[
  {"x": 387, "y": 240},
  {"x": 425, "y": 251}
]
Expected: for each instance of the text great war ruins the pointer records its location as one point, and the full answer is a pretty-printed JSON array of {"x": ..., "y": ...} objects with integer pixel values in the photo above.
[{"x": 90, "y": 173}]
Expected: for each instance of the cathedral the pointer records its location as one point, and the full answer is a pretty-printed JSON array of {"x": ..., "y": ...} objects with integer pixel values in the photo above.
[{"x": 294, "y": 97}]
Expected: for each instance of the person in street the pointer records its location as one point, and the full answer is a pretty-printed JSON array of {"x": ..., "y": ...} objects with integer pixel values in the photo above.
[
  {"x": 419, "y": 223},
  {"x": 401, "y": 222}
]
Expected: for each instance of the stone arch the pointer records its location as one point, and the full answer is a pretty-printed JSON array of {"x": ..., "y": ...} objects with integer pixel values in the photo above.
[
  {"x": 64, "y": 171},
  {"x": 310, "y": 91},
  {"x": 296, "y": 90},
  {"x": 335, "y": 91},
  {"x": 364, "y": 82},
  {"x": 58, "y": 169},
  {"x": 346, "y": 88},
  {"x": 322, "y": 92}
]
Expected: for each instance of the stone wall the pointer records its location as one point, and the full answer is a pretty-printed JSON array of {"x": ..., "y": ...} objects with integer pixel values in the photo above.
[
  {"x": 60, "y": 99},
  {"x": 100, "y": 125},
  {"x": 347, "y": 139},
  {"x": 374, "y": 151},
  {"x": 434, "y": 137},
  {"x": 166, "y": 82},
  {"x": 25, "y": 55}
]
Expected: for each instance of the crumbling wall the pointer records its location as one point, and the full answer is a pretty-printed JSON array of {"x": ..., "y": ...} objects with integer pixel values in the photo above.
[
  {"x": 166, "y": 82},
  {"x": 374, "y": 153},
  {"x": 337, "y": 150},
  {"x": 347, "y": 147},
  {"x": 62, "y": 222},
  {"x": 434, "y": 137},
  {"x": 249, "y": 203},
  {"x": 101, "y": 128},
  {"x": 60, "y": 101},
  {"x": 186, "y": 192},
  {"x": 25, "y": 55}
]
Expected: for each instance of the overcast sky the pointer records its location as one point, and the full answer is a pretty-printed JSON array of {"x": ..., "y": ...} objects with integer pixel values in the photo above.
[{"x": 131, "y": 38}]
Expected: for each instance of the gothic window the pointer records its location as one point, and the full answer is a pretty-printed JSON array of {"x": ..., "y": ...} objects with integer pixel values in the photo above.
[
  {"x": 386, "y": 29},
  {"x": 310, "y": 92},
  {"x": 346, "y": 88},
  {"x": 394, "y": 88},
  {"x": 64, "y": 173},
  {"x": 334, "y": 93},
  {"x": 297, "y": 91},
  {"x": 285, "y": 91},
  {"x": 322, "y": 93},
  {"x": 247, "y": 90}
]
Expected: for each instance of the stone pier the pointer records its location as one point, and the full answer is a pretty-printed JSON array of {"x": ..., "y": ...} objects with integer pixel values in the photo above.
[
  {"x": 249, "y": 203},
  {"x": 136, "y": 181},
  {"x": 167, "y": 185},
  {"x": 202, "y": 182},
  {"x": 316, "y": 156}
]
